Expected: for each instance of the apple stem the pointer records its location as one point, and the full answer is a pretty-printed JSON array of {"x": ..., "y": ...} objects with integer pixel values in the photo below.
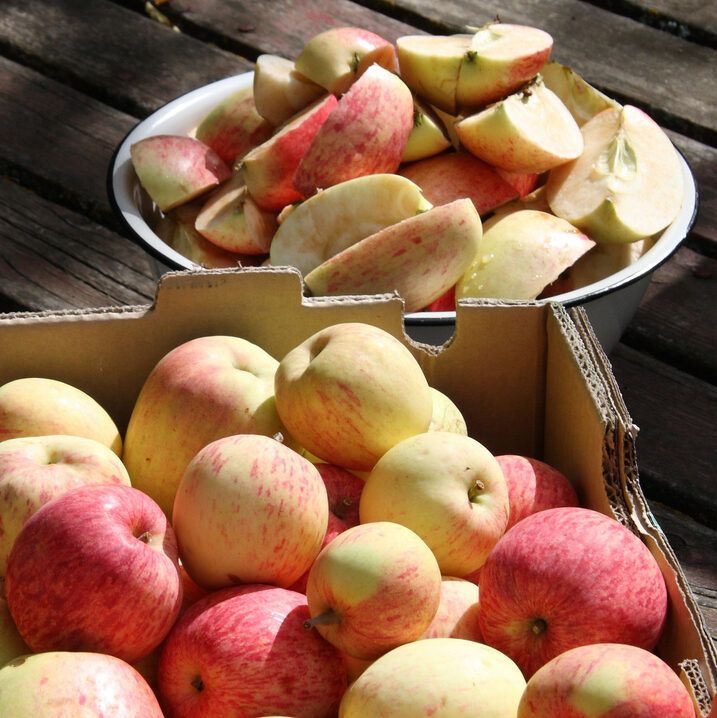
[
  {"x": 144, "y": 537},
  {"x": 322, "y": 619},
  {"x": 475, "y": 491},
  {"x": 539, "y": 626}
]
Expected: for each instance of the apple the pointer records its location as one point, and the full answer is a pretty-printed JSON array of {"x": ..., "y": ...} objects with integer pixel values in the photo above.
[
  {"x": 349, "y": 392},
  {"x": 446, "y": 415},
  {"x": 533, "y": 200},
  {"x": 234, "y": 126},
  {"x": 244, "y": 651},
  {"x": 374, "y": 587},
  {"x": 520, "y": 254},
  {"x": 567, "y": 577},
  {"x": 457, "y": 614},
  {"x": 61, "y": 683},
  {"x": 626, "y": 185},
  {"x": 420, "y": 258},
  {"x": 95, "y": 569},
  {"x": 534, "y": 485},
  {"x": 280, "y": 91},
  {"x": 446, "y": 487},
  {"x": 605, "y": 679},
  {"x": 11, "y": 643},
  {"x": 529, "y": 131},
  {"x": 174, "y": 169},
  {"x": 36, "y": 469},
  {"x": 365, "y": 134},
  {"x": 439, "y": 677},
  {"x": 249, "y": 510},
  {"x": 428, "y": 136},
  {"x": 340, "y": 216},
  {"x": 338, "y": 57},
  {"x": 33, "y": 406},
  {"x": 200, "y": 391},
  {"x": 269, "y": 169},
  {"x": 456, "y": 175},
  {"x": 522, "y": 182},
  {"x": 445, "y": 303}
]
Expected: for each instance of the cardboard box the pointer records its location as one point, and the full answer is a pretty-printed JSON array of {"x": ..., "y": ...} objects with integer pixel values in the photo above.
[{"x": 529, "y": 379}]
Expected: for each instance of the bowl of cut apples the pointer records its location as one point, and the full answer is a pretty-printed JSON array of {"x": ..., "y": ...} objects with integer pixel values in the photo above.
[{"x": 443, "y": 168}]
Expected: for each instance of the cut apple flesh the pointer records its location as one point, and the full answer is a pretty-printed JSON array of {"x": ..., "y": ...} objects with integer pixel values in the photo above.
[
  {"x": 420, "y": 258},
  {"x": 520, "y": 254},
  {"x": 626, "y": 185},
  {"x": 604, "y": 260},
  {"x": 427, "y": 137},
  {"x": 342, "y": 215},
  {"x": 529, "y": 131}
]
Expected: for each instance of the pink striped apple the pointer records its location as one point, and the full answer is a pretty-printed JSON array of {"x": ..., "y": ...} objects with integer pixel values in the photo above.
[{"x": 457, "y": 614}]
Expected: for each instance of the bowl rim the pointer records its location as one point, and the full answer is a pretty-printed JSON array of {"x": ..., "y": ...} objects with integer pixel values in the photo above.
[{"x": 119, "y": 171}]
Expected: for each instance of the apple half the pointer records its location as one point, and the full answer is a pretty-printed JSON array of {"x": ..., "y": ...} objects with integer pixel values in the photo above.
[
  {"x": 626, "y": 185},
  {"x": 338, "y": 217}
]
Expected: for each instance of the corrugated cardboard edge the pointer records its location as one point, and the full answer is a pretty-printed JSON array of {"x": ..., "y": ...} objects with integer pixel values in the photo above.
[{"x": 686, "y": 627}]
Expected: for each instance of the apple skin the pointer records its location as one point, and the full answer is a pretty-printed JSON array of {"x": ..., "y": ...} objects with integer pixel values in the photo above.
[
  {"x": 606, "y": 679},
  {"x": 439, "y": 677},
  {"x": 11, "y": 643},
  {"x": 95, "y": 569},
  {"x": 374, "y": 587},
  {"x": 202, "y": 390},
  {"x": 249, "y": 510},
  {"x": 533, "y": 486},
  {"x": 446, "y": 415},
  {"x": 36, "y": 469},
  {"x": 458, "y": 610},
  {"x": 34, "y": 406},
  {"x": 567, "y": 577},
  {"x": 60, "y": 683},
  {"x": 365, "y": 134},
  {"x": 338, "y": 400},
  {"x": 244, "y": 651},
  {"x": 446, "y": 487}
]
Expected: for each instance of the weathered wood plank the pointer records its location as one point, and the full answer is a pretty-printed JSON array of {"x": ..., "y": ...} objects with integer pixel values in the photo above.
[
  {"x": 52, "y": 258},
  {"x": 79, "y": 43},
  {"x": 678, "y": 433}
]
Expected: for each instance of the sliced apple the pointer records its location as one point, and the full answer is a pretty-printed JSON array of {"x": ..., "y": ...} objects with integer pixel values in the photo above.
[
  {"x": 420, "y": 257},
  {"x": 449, "y": 122},
  {"x": 342, "y": 215},
  {"x": 232, "y": 220},
  {"x": 520, "y": 254},
  {"x": 365, "y": 134},
  {"x": 336, "y": 58},
  {"x": 234, "y": 126},
  {"x": 280, "y": 92},
  {"x": 626, "y": 185},
  {"x": 604, "y": 260},
  {"x": 534, "y": 200},
  {"x": 269, "y": 169},
  {"x": 581, "y": 98},
  {"x": 428, "y": 136},
  {"x": 529, "y": 131},
  {"x": 174, "y": 169},
  {"x": 522, "y": 182},
  {"x": 455, "y": 175}
]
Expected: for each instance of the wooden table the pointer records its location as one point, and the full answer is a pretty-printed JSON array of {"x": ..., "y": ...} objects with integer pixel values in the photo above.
[{"x": 75, "y": 76}]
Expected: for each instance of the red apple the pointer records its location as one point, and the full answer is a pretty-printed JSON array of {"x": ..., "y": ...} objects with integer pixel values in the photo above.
[
  {"x": 458, "y": 610},
  {"x": 568, "y": 577},
  {"x": 95, "y": 570},
  {"x": 244, "y": 651}
]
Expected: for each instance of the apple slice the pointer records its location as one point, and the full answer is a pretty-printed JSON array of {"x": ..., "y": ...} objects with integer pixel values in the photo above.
[
  {"x": 420, "y": 257},
  {"x": 449, "y": 122},
  {"x": 522, "y": 182},
  {"x": 336, "y": 58},
  {"x": 626, "y": 185},
  {"x": 456, "y": 175},
  {"x": 581, "y": 98},
  {"x": 279, "y": 91},
  {"x": 233, "y": 221},
  {"x": 174, "y": 169},
  {"x": 365, "y": 134},
  {"x": 520, "y": 254},
  {"x": 269, "y": 168},
  {"x": 342, "y": 215},
  {"x": 528, "y": 131},
  {"x": 234, "y": 126},
  {"x": 428, "y": 137},
  {"x": 535, "y": 200}
]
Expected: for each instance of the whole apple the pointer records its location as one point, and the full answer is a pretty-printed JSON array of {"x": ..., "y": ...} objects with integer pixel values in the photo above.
[
  {"x": 458, "y": 609},
  {"x": 249, "y": 510},
  {"x": 350, "y": 392},
  {"x": 606, "y": 679},
  {"x": 567, "y": 577},
  {"x": 36, "y": 469},
  {"x": 60, "y": 683},
  {"x": 244, "y": 651},
  {"x": 95, "y": 569}
]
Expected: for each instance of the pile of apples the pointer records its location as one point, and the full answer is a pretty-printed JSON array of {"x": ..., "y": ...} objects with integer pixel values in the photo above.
[
  {"x": 443, "y": 167},
  {"x": 307, "y": 538}
]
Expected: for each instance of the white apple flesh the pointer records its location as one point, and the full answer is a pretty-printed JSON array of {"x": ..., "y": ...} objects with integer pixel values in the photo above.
[{"x": 428, "y": 136}]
